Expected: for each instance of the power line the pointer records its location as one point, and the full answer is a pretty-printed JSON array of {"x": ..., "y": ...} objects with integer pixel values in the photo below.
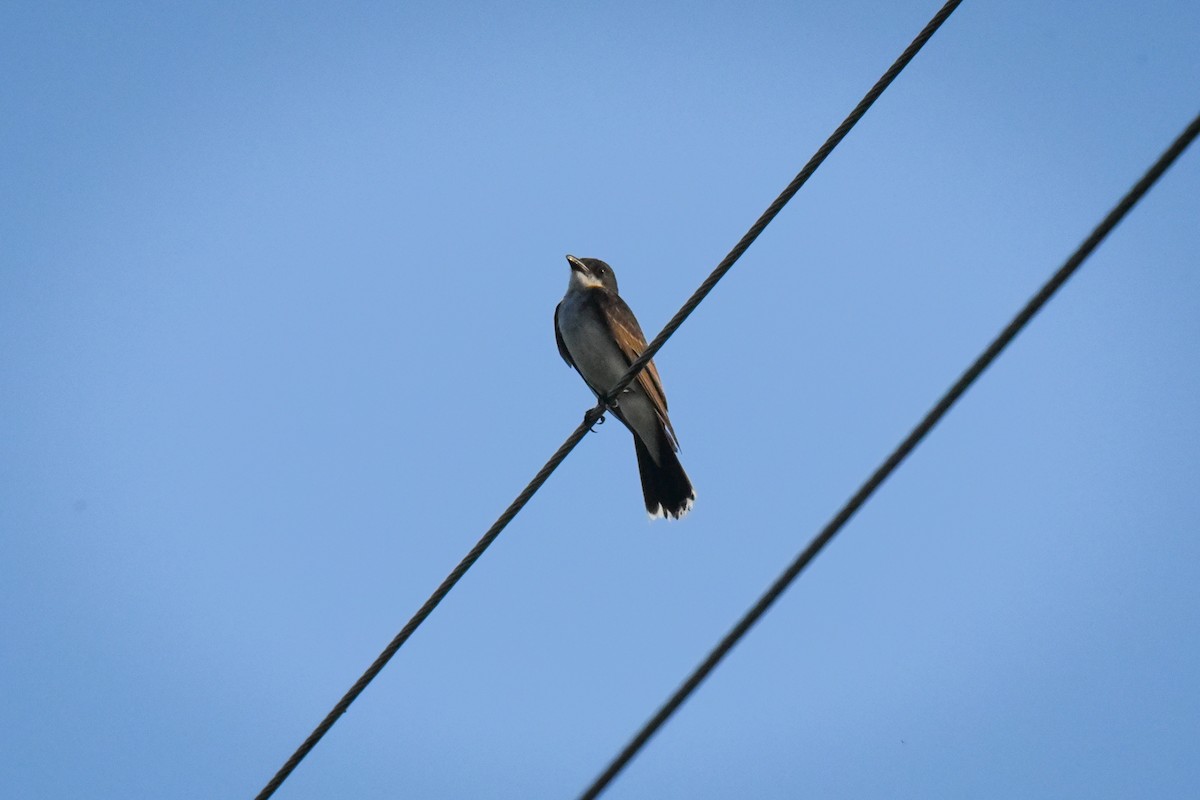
[
  {"x": 801, "y": 178},
  {"x": 589, "y": 419},
  {"x": 596, "y": 413},
  {"x": 893, "y": 461}
]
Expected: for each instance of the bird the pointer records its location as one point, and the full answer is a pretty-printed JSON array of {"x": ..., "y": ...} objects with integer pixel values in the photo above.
[{"x": 600, "y": 337}]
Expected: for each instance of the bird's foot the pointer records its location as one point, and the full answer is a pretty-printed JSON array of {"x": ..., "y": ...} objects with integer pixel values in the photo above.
[
  {"x": 615, "y": 402},
  {"x": 594, "y": 417}
]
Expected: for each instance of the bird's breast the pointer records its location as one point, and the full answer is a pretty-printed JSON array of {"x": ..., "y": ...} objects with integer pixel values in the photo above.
[{"x": 589, "y": 340}]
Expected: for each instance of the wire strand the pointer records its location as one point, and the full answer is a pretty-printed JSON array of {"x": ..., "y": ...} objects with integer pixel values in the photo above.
[
  {"x": 801, "y": 178},
  {"x": 595, "y": 413},
  {"x": 427, "y": 608},
  {"x": 893, "y": 461}
]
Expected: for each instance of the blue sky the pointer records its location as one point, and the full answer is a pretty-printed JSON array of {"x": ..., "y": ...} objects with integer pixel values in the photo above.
[{"x": 276, "y": 290}]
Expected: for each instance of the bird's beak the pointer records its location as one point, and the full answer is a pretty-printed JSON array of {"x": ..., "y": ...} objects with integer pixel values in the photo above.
[{"x": 577, "y": 265}]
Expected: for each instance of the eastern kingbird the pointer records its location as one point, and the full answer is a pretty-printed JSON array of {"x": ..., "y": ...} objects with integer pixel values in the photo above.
[{"x": 599, "y": 336}]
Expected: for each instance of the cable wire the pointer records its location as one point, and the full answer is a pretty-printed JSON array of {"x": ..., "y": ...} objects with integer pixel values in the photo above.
[
  {"x": 596, "y": 413},
  {"x": 893, "y": 461},
  {"x": 589, "y": 419},
  {"x": 772, "y": 210}
]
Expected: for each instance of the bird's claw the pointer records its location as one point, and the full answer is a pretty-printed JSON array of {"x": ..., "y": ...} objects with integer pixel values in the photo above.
[
  {"x": 595, "y": 416},
  {"x": 615, "y": 402}
]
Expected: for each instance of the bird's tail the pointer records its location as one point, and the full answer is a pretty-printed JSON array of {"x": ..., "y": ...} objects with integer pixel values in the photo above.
[{"x": 665, "y": 485}]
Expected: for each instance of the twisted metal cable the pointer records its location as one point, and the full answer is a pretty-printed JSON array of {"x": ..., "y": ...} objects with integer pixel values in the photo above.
[
  {"x": 801, "y": 178},
  {"x": 596, "y": 413},
  {"x": 893, "y": 461},
  {"x": 427, "y": 608}
]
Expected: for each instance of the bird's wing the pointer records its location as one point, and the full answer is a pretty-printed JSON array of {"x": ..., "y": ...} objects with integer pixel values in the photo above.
[
  {"x": 630, "y": 339},
  {"x": 562, "y": 346}
]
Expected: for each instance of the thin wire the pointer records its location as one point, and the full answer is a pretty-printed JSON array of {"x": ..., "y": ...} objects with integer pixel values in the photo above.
[
  {"x": 893, "y": 461},
  {"x": 595, "y": 414},
  {"x": 589, "y": 419},
  {"x": 801, "y": 178}
]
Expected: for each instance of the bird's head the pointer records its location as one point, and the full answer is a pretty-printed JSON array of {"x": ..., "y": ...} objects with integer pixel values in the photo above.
[{"x": 588, "y": 273}]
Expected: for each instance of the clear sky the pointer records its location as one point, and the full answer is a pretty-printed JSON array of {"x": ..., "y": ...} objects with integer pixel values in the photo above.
[{"x": 276, "y": 287}]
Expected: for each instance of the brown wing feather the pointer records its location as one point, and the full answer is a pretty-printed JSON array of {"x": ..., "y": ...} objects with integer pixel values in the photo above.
[{"x": 629, "y": 337}]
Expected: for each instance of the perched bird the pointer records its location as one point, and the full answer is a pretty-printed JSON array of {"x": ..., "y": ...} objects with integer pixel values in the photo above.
[{"x": 599, "y": 336}]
